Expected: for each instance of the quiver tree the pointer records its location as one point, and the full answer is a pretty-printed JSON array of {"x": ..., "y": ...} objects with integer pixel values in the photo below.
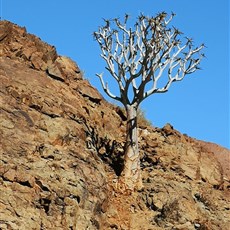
[{"x": 144, "y": 59}]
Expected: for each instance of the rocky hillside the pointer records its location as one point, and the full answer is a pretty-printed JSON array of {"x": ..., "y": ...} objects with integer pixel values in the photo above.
[{"x": 62, "y": 149}]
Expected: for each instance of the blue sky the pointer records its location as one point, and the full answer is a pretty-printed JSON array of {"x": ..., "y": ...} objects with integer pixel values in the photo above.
[{"x": 197, "y": 106}]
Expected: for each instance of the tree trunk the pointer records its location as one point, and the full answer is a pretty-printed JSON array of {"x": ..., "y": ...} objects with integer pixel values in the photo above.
[{"x": 131, "y": 174}]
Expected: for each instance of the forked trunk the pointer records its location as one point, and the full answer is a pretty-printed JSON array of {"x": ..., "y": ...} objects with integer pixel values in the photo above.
[{"x": 131, "y": 174}]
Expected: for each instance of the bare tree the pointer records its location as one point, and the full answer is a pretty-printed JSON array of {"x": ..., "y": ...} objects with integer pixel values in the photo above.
[{"x": 138, "y": 58}]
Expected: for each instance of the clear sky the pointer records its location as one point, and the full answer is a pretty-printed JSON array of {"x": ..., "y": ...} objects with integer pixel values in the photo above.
[{"x": 197, "y": 106}]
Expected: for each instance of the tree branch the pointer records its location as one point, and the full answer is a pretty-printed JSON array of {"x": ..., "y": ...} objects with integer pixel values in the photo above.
[
  {"x": 137, "y": 57},
  {"x": 106, "y": 89}
]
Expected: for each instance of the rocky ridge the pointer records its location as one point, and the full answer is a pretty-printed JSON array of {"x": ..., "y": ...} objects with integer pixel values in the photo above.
[{"x": 62, "y": 148}]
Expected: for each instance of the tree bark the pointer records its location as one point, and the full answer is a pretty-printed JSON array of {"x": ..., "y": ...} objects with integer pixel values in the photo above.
[{"x": 131, "y": 174}]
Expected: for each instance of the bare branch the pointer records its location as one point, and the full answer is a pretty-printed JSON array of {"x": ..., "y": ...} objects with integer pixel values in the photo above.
[
  {"x": 139, "y": 56},
  {"x": 106, "y": 89}
]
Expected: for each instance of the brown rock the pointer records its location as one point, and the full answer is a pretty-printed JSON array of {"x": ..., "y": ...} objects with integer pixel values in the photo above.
[
  {"x": 168, "y": 129},
  {"x": 89, "y": 92},
  {"x": 210, "y": 169},
  {"x": 190, "y": 164},
  {"x": 17, "y": 44},
  {"x": 10, "y": 175},
  {"x": 222, "y": 154},
  {"x": 55, "y": 72},
  {"x": 69, "y": 68},
  {"x": 62, "y": 148}
]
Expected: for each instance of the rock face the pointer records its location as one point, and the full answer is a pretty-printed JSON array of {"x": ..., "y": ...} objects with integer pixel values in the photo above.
[{"x": 62, "y": 148}]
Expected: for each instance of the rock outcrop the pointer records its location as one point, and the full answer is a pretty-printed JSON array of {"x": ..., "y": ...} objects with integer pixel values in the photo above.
[{"x": 62, "y": 149}]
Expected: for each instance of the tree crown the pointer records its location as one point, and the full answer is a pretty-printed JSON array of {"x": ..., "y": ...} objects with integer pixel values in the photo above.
[{"x": 138, "y": 58}]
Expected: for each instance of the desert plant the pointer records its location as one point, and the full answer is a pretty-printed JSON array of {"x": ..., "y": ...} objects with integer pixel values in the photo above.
[{"x": 136, "y": 58}]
